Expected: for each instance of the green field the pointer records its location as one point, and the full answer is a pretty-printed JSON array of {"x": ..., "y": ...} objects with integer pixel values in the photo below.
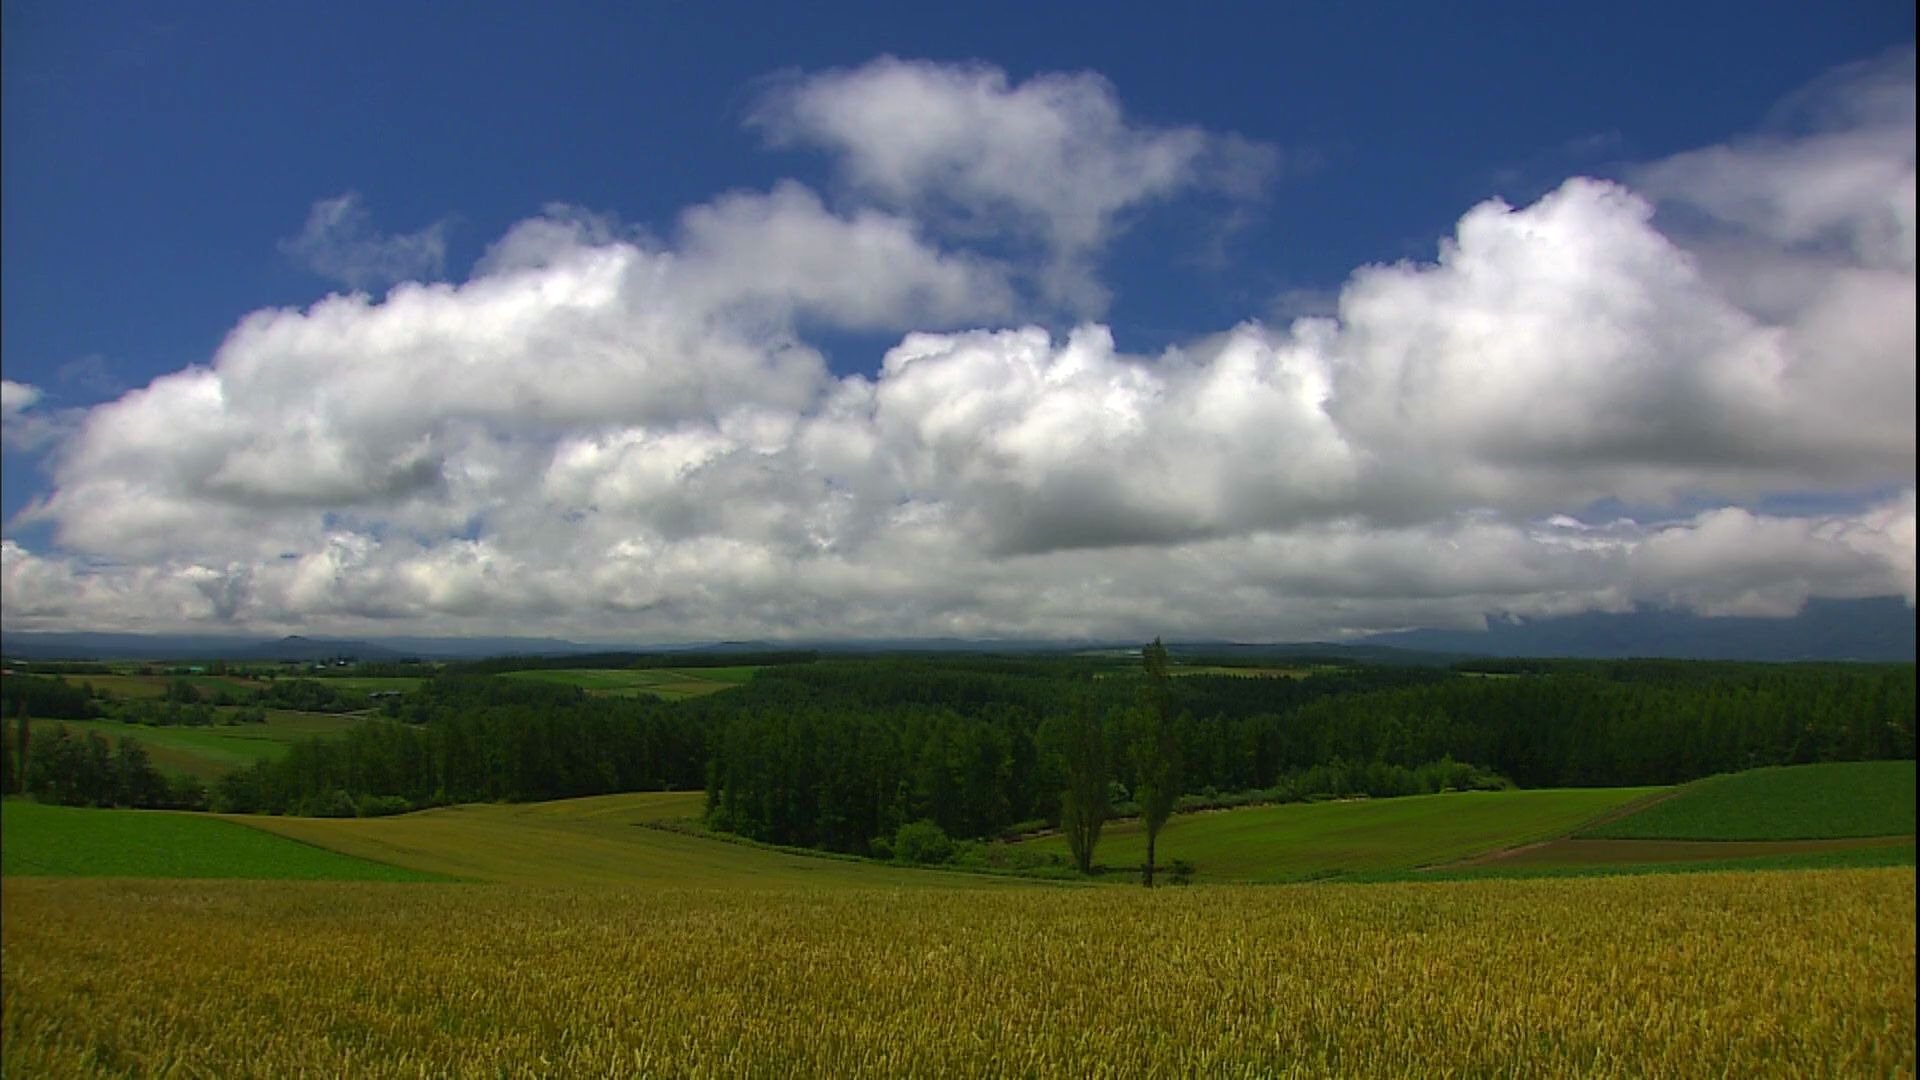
[
  {"x": 123, "y": 686},
  {"x": 66, "y": 841},
  {"x": 1589, "y": 858},
  {"x": 1799, "y": 802},
  {"x": 368, "y": 684},
  {"x": 604, "y": 840},
  {"x": 1304, "y": 841},
  {"x": 1231, "y": 670},
  {"x": 673, "y": 684},
  {"x": 618, "y": 839},
  {"x": 1243, "y": 672},
  {"x": 211, "y": 752},
  {"x": 135, "y": 686},
  {"x": 230, "y": 683}
]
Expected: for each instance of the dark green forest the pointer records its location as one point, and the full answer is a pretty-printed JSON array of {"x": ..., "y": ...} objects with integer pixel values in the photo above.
[
  {"x": 837, "y": 754},
  {"x": 86, "y": 770}
]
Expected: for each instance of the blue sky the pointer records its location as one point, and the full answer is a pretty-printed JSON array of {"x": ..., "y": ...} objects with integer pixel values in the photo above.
[{"x": 162, "y": 166}]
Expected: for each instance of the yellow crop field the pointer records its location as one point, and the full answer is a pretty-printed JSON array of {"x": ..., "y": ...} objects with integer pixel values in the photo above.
[{"x": 1804, "y": 974}]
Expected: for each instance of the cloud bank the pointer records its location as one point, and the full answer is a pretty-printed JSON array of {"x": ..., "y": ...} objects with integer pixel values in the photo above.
[{"x": 607, "y": 435}]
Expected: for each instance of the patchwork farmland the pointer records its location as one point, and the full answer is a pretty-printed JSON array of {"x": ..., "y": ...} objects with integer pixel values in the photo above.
[{"x": 1341, "y": 919}]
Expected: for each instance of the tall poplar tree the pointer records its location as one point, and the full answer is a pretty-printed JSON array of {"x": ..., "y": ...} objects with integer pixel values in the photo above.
[
  {"x": 20, "y": 763},
  {"x": 1156, "y": 751},
  {"x": 1083, "y": 806}
]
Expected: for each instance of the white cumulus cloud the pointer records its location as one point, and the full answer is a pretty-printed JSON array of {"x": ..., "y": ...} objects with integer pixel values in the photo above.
[
  {"x": 606, "y": 434},
  {"x": 1054, "y": 157}
]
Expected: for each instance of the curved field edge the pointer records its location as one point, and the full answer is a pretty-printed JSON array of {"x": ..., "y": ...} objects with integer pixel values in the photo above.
[
  {"x": 1307, "y": 841},
  {"x": 620, "y": 838},
  {"x": 66, "y": 841},
  {"x": 1710, "y": 975},
  {"x": 1795, "y": 802},
  {"x": 599, "y": 840},
  {"x": 1574, "y": 858}
]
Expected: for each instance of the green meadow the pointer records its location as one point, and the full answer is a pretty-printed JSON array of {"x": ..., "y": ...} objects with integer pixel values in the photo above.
[
  {"x": 208, "y": 753},
  {"x": 1790, "y": 817},
  {"x": 1306, "y": 841},
  {"x": 1797, "y": 802},
  {"x": 674, "y": 684},
  {"x": 63, "y": 841},
  {"x": 1597, "y": 858},
  {"x": 369, "y": 684},
  {"x": 1243, "y": 672},
  {"x": 651, "y": 838}
]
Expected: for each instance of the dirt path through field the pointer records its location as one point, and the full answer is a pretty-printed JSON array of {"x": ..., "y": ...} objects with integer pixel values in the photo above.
[{"x": 1520, "y": 850}]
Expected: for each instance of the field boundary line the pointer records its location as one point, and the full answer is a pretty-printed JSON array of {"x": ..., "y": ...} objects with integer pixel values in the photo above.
[{"x": 1602, "y": 818}]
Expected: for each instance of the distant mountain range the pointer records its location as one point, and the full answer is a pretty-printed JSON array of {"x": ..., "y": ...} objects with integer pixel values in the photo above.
[
  {"x": 72, "y": 646},
  {"x": 1879, "y": 629}
]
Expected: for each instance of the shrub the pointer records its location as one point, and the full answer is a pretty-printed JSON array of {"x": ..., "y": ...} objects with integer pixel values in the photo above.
[
  {"x": 922, "y": 842},
  {"x": 335, "y": 803},
  {"x": 186, "y": 793},
  {"x": 380, "y": 805},
  {"x": 1022, "y": 829}
]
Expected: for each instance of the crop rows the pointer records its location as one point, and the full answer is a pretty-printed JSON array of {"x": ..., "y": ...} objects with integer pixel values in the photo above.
[{"x": 1792, "y": 973}]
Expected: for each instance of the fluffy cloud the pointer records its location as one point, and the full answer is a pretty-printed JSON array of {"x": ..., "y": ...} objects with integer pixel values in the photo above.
[
  {"x": 24, "y": 425},
  {"x": 1733, "y": 562},
  {"x": 1569, "y": 352},
  {"x": 1836, "y": 176},
  {"x": 870, "y": 270},
  {"x": 1809, "y": 228},
  {"x": 423, "y": 411},
  {"x": 340, "y": 243},
  {"x": 603, "y": 434},
  {"x": 1054, "y": 157},
  {"x": 16, "y": 398}
]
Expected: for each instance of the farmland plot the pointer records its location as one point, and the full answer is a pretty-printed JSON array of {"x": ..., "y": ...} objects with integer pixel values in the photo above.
[{"x": 1711, "y": 975}]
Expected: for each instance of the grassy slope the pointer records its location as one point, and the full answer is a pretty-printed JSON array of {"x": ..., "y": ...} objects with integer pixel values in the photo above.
[
  {"x": 599, "y": 840},
  {"x": 1801, "y": 802},
  {"x": 671, "y": 683},
  {"x": 1878, "y": 852},
  {"x": 1301, "y": 841},
  {"x": 210, "y": 752},
  {"x": 69, "y": 841}
]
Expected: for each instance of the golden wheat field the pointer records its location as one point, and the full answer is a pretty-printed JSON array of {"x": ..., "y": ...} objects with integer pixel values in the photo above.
[{"x": 1784, "y": 974}]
